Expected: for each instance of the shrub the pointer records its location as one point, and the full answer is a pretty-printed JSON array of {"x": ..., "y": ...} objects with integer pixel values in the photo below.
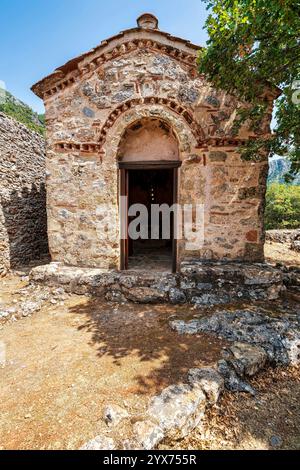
[{"x": 282, "y": 207}]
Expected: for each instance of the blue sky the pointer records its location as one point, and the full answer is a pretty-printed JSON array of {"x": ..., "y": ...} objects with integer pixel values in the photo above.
[{"x": 36, "y": 36}]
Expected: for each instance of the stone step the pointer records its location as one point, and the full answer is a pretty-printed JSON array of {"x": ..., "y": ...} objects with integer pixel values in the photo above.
[{"x": 196, "y": 283}]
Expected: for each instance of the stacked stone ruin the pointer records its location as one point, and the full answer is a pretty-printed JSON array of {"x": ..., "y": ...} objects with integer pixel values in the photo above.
[{"x": 23, "y": 220}]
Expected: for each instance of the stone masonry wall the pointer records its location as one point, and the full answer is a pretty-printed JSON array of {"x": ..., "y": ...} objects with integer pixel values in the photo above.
[
  {"x": 23, "y": 222},
  {"x": 137, "y": 76}
]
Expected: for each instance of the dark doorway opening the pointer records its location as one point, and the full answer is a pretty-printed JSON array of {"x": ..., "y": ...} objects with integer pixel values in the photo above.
[{"x": 149, "y": 185}]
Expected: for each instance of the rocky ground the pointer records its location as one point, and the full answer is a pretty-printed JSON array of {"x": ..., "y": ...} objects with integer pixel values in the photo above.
[
  {"x": 65, "y": 358},
  {"x": 281, "y": 253},
  {"x": 77, "y": 371},
  {"x": 73, "y": 368}
]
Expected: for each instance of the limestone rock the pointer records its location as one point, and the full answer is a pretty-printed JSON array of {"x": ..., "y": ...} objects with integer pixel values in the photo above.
[
  {"x": 279, "y": 337},
  {"x": 282, "y": 236},
  {"x": 100, "y": 443},
  {"x": 209, "y": 380},
  {"x": 129, "y": 444},
  {"x": 29, "y": 307},
  {"x": 232, "y": 382},
  {"x": 178, "y": 409},
  {"x": 7, "y": 312},
  {"x": 177, "y": 296},
  {"x": 182, "y": 327},
  {"x": 188, "y": 94},
  {"x": 256, "y": 276},
  {"x": 291, "y": 344},
  {"x": 113, "y": 414},
  {"x": 145, "y": 295},
  {"x": 295, "y": 245},
  {"x": 147, "y": 434},
  {"x": 115, "y": 296},
  {"x": 247, "y": 359}
]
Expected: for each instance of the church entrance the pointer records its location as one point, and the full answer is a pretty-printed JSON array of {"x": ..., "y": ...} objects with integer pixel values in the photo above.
[
  {"x": 150, "y": 243},
  {"x": 148, "y": 158}
]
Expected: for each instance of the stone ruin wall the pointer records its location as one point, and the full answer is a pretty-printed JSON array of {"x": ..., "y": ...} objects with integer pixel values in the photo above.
[
  {"x": 87, "y": 116},
  {"x": 23, "y": 222}
]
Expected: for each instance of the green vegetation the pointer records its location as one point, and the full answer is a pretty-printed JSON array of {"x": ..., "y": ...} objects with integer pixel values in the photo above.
[
  {"x": 282, "y": 206},
  {"x": 22, "y": 113},
  {"x": 253, "y": 43}
]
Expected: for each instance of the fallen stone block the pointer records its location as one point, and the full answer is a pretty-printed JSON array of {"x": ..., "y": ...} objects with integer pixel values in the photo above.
[
  {"x": 246, "y": 359},
  {"x": 147, "y": 435},
  {"x": 178, "y": 409},
  {"x": 209, "y": 380}
]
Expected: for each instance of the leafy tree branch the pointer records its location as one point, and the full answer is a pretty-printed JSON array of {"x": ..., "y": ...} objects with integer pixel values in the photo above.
[{"x": 254, "y": 46}]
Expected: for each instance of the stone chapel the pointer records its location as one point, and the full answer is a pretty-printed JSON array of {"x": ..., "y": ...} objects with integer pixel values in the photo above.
[{"x": 134, "y": 117}]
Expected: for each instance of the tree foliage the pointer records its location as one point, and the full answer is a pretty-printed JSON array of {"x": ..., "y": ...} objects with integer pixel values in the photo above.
[
  {"x": 253, "y": 44},
  {"x": 282, "y": 206}
]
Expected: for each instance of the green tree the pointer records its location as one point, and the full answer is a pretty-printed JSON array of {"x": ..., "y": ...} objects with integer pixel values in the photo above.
[
  {"x": 282, "y": 206},
  {"x": 254, "y": 43}
]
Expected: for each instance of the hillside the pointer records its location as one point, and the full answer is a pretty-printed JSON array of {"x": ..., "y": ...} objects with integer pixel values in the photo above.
[
  {"x": 279, "y": 166},
  {"x": 22, "y": 112}
]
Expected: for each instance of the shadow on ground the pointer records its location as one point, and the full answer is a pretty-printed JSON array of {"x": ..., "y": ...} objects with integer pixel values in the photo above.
[{"x": 143, "y": 333}]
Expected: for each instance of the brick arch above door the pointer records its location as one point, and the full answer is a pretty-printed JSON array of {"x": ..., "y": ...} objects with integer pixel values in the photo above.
[{"x": 187, "y": 140}]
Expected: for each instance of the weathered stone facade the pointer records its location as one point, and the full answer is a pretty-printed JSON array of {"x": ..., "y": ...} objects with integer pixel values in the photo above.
[
  {"x": 23, "y": 221},
  {"x": 92, "y": 103}
]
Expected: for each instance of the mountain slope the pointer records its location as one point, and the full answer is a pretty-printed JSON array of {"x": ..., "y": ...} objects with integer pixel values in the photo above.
[
  {"x": 21, "y": 112},
  {"x": 278, "y": 167}
]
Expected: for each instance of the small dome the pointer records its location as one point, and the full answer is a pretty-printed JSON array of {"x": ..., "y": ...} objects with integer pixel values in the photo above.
[{"x": 147, "y": 21}]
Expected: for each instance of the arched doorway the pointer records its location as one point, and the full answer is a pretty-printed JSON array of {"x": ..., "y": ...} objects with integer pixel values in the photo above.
[{"x": 148, "y": 159}]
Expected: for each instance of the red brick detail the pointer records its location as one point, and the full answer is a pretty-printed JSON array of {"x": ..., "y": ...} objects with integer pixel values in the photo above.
[{"x": 252, "y": 236}]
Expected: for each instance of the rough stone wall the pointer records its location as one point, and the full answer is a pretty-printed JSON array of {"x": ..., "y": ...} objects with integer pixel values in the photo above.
[
  {"x": 282, "y": 236},
  {"x": 23, "y": 222},
  {"x": 232, "y": 192},
  {"x": 136, "y": 78}
]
